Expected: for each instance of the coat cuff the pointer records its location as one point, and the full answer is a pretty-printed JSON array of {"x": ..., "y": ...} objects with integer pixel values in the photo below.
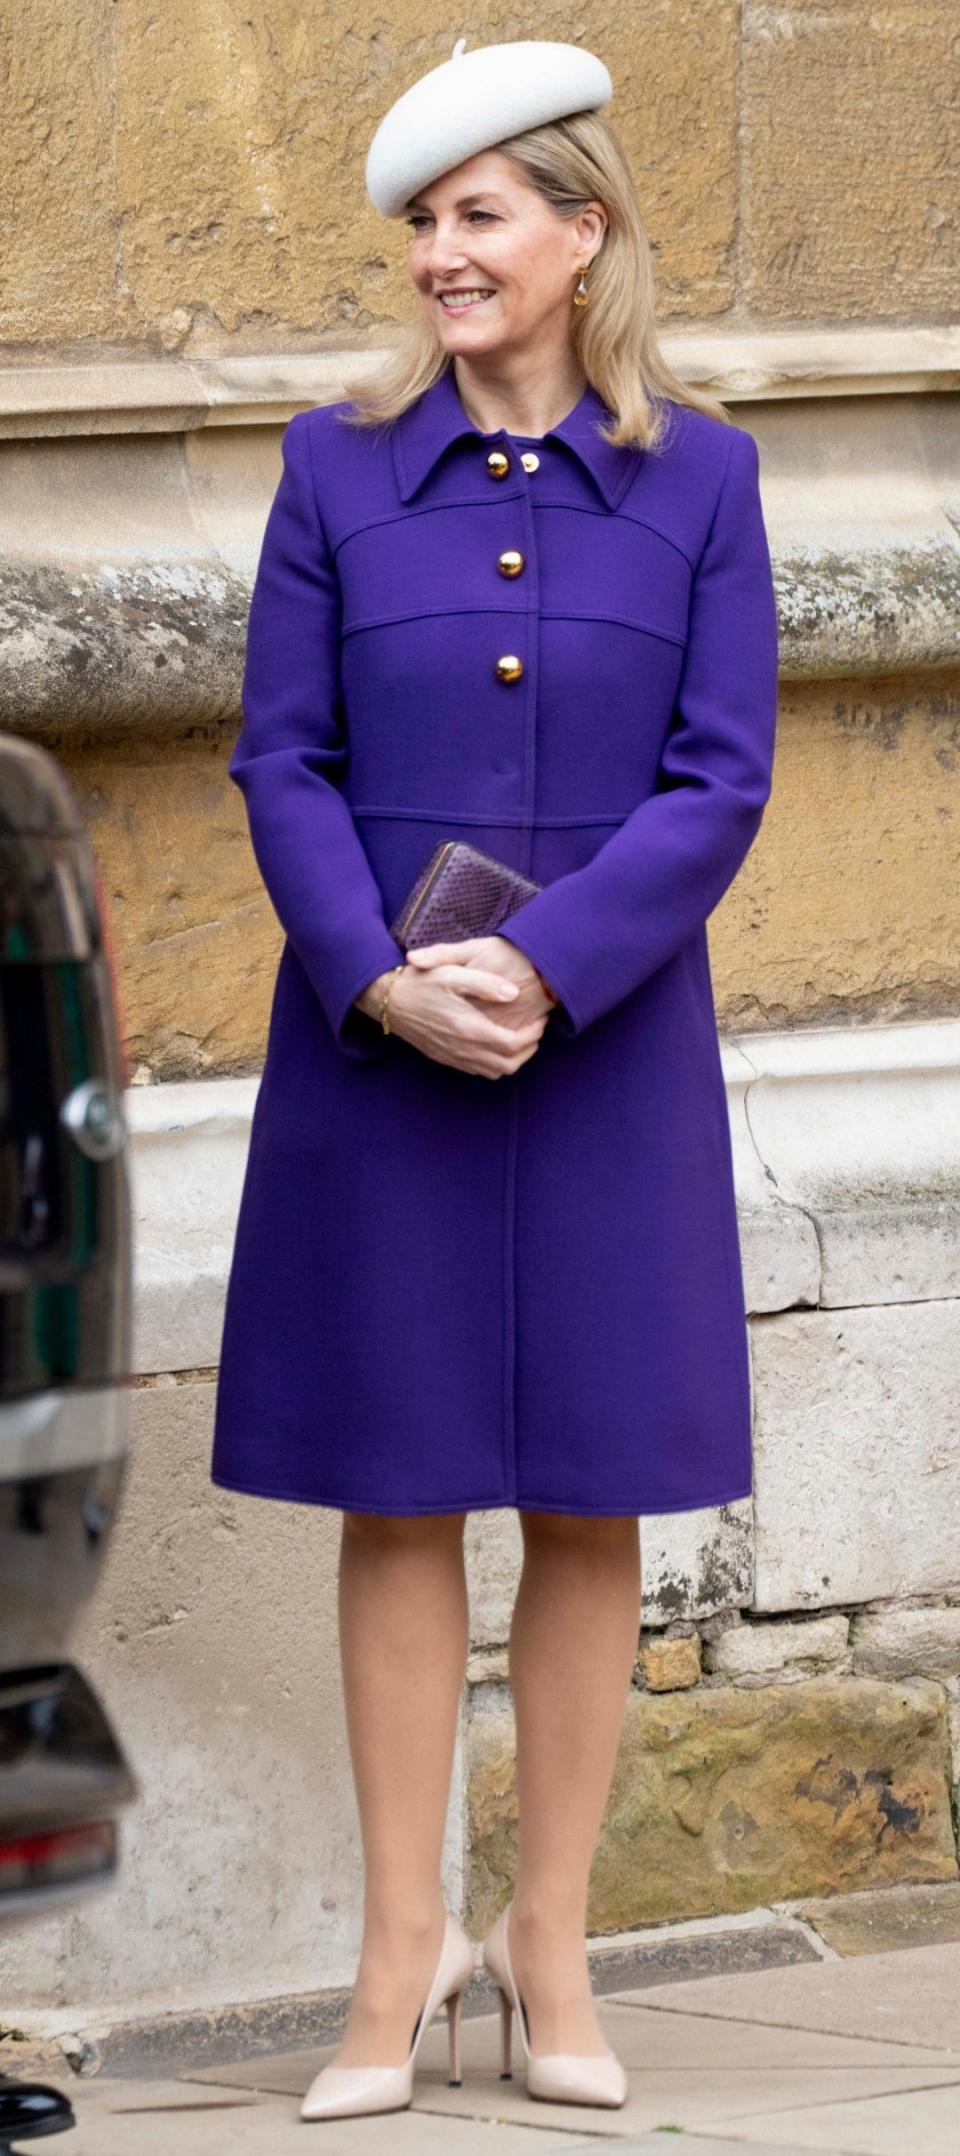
[
  {"x": 354, "y": 1030},
  {"x": 563, "y": 1015}
]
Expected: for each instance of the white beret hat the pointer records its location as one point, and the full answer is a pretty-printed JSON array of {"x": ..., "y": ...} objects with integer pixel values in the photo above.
[{"x": 473, "y": 101}]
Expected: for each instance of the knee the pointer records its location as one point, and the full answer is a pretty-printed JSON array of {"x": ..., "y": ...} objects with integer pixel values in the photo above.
[
  {"x": 589, "y": 1532},
  {"x": 393, "y": 1530}
]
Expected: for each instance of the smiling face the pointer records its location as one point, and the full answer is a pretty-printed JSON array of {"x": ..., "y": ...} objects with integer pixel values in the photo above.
[{"x": 482, "y": 229}]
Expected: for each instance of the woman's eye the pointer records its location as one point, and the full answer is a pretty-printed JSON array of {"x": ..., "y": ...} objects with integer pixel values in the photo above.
[{"x": 419, "y": 220}]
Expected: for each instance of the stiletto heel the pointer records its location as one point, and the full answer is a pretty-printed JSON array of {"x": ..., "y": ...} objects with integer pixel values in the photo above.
[
  {"x": 343, "y": 2091},
  {"x": 506, "y": 2038},
  {"x": 558, "y": 2077},
  {"x": 454, "y": 2024}
]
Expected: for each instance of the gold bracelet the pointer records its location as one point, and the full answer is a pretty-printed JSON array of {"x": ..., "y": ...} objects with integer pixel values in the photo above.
[{"x": 384, "y": 1014}]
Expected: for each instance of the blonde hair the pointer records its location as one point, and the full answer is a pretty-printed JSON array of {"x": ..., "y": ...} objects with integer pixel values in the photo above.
[{"x": 570, "y": 162}]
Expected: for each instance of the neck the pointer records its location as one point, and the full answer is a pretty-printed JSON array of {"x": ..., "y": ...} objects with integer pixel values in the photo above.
[{"x": 524, "y": 403}]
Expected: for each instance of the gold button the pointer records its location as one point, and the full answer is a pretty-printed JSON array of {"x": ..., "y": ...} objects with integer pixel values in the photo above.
[
  {"x": 498, "y": 464},
  {"x": 510, "y": 562},
  {"x": 530, "y": 461},
  {"x": 510, "y": 668}
]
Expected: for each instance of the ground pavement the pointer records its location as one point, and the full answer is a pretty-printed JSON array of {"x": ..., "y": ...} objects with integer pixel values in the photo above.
[{"x": 839, "y": 2031}]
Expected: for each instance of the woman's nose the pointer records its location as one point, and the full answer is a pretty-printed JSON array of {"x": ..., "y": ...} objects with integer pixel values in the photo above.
[{"x": 443, "y": 246}]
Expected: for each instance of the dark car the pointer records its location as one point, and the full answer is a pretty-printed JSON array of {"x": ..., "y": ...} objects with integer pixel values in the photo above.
[{"x": 65, "y": 1351}]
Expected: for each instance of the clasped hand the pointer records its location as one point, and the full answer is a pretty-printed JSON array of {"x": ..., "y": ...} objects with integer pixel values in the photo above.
[{"x": 477, "y": 1004}]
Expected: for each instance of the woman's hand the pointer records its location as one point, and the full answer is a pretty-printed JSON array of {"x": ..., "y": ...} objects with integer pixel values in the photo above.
[
  {"x": 463, "y": 1012},
  {"x": 495, "y": 954}
]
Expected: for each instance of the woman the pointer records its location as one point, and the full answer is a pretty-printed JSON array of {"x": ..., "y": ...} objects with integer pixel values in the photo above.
[{"x": 518, "y": 592}]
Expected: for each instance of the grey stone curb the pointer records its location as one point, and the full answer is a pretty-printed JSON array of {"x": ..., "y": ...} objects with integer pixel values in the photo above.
[{"x": 170, "y": 2044}]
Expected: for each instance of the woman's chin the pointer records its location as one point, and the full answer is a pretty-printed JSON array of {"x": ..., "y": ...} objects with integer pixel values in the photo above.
[
  {"x": 478, "y": 336},
  {"x": 459, "y": 335}
]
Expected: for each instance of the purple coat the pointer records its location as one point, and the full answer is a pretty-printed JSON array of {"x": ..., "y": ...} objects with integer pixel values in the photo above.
[{"x": 449, "y": 1292}]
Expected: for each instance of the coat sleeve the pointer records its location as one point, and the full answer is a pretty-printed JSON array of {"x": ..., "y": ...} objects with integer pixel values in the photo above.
[
  {"x": 598, "y": 932},
  {"x": 291, "y": 752}
]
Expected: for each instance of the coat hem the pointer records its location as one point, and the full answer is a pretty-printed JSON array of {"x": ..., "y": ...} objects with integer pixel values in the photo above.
[{"x": 486, "y": 1504}]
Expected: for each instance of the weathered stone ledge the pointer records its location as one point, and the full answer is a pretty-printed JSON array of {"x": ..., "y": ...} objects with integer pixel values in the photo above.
[
  {"x": 130, "y": 549},
  {"x": 847, "y": 1163},
  {"x": 116, "y": 394}
]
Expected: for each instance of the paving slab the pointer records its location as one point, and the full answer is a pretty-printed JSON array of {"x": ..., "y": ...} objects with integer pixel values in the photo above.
[
  {"x": 117, "y": 2117},
  {"x": 911, "y": 1997},
  {"x": 690, "y": 2145},
  {"x": 890, "y": 1917},
  {"x": 685, "y": 2071},
  {"x": 696, "y": 2101},
  {"x": 923, "y": 2125}
]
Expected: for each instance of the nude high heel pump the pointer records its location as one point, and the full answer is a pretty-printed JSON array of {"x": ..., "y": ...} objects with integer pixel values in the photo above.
[
  {"x": 559, "y": 2077},
  {"x": 338, "y": 2092}
]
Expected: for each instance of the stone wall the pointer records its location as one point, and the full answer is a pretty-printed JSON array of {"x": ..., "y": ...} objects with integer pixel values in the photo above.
[
  {"x": 761, "y": 1761},
  {"x": 191, "y": 180}
]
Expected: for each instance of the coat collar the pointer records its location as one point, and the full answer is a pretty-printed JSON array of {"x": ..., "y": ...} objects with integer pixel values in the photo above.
[{"x": 437, "y": 418}]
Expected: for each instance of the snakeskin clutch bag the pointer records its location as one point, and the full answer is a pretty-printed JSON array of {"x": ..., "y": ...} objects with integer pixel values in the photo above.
[{"x": 460, "y": 892}]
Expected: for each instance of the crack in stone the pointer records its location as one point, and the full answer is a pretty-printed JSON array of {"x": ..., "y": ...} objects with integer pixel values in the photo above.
[{"x": 789, "y": 1205}]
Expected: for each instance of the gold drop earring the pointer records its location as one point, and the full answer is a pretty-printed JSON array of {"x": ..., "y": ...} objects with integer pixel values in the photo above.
[{"x": 581, "y": 297}]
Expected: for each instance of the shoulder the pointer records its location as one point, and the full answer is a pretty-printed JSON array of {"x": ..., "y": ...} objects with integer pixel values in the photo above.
[
  {"x": 699, "y": 462},
  {"x": 325, "y": 418},
  {"x": 698, "y": 440},
  {"x": 333, "y": 430},
  {"x": 338, "y": 442},
  {"x": 351, "y": 465}
]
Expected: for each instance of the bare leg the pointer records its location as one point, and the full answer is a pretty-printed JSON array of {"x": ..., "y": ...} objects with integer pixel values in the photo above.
[
  {"x": 573, "y": 1644},
  {"x": 404, "y": 1636}
]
